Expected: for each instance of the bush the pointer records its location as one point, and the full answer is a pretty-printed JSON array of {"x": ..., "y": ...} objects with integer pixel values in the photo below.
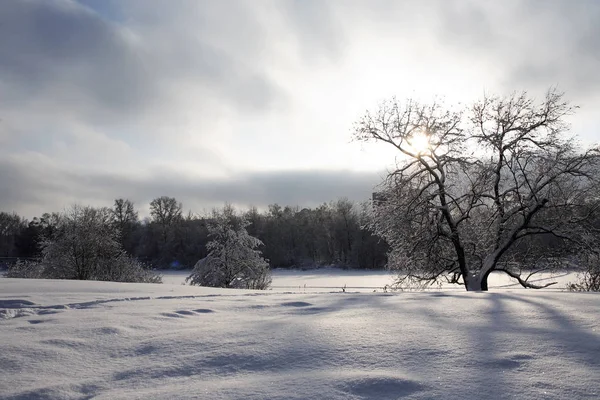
[
  {"x": 127, "y": 269},
  {"x": 589, "y": 281},
  {"x": 121, "y": 269},
  {"x": 212, "y": 271},
  {"x": 26, "y": 269},
  {"x": 85, "y": 246}
]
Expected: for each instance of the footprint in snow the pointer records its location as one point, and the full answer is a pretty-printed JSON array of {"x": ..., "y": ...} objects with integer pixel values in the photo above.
[
  {"x": 296, "y": 304},
  {"x": 185, "y": 313},
  {"x": 48, "y": 312},
  {"x": 172, "y": 315},
  {"x": 382, "y": 387},
  {"x": 510, "y": 361}
]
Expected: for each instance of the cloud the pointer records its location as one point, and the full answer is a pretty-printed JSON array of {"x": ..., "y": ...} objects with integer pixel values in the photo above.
[
  {"x": 66, "y": 57},
  {"x": 562, "y": 48},
  {"x": 36, "y": 184},
  {"x": 61, "y": 54},
  {"x": 253, "y": 102},
  {"x": 528, "y": 44}
]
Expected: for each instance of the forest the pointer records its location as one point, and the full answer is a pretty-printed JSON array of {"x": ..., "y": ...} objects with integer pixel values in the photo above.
[{"x": 334, "y": 233}]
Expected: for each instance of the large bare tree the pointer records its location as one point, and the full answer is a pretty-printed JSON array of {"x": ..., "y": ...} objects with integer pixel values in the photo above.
[
  {"x": 498, "y": 186},
  {"x": 166, "y": 212}
]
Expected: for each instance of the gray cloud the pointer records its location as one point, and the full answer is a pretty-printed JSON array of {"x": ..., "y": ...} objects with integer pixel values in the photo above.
[
  {"x": 317, "y": 29},
  {"x": 102, "y": 71},
  {"x": 531, "y": 44},
  {"x": 58, "y": 50},
  {"x": 36, "y": 184},
  {"x": 567, "y": 40}
]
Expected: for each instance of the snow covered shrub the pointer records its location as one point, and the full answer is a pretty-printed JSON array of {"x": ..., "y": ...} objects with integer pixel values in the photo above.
[
  {"x": 85, "y": 246},
  {"x": 26, "y": 269},
  {"x": 233, "y": 259},
  {"x": 589, "y": 281},
  {"x": 127, "y": 269},
  {"x": 82, "y": 244}
]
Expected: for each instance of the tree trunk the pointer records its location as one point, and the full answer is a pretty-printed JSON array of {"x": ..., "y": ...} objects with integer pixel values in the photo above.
[
  {"x": 473, "y": 283},
  {"x": 479, "y": 282},
  {"x": 484, "y": 281},
  {"x": 489, "y": 264}
]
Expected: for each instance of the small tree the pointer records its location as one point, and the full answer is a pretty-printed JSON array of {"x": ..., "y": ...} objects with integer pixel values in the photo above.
[
  {"x": 474, "y": 187},
  {"x": 233, "y": 260}
]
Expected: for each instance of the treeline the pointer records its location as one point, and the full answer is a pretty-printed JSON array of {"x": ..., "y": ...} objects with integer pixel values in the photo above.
[{"x": 331, "y": 234}]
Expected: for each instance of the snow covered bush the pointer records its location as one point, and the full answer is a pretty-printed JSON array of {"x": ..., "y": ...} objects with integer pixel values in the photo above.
[
  {"x": 233, "y": 259},
  {"x": 26, "y": 269},
  {"x": 85, "y": 246},
  {"x": 127, "y": 269}
]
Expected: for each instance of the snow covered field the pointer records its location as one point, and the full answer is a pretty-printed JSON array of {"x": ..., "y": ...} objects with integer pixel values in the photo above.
[
  {"x": 328, "y": 279},
  {"x": 84, "y": 340}
]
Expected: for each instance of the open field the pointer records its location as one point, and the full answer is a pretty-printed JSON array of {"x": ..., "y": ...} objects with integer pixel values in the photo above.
[{"x": 84, "y": 340}]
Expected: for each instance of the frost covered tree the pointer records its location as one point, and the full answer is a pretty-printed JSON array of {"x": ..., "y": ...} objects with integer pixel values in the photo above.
[
  {"x": 498, "y": 186},
  {"x": 85, "y": 246},
  {"x": 233, "y": 259}
]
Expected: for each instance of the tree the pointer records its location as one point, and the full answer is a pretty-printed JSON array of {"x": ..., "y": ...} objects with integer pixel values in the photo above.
[
  {"x": 11, "y": 226},
  {"x": 82, "y": 241},
  {"x": 48, "y": 223},
  {"x": 166, "y": 212},
  {"x": 28, "y": 241},
  {"x": 124, "y": 213},
  {"x": 369, "y": 249},
  {"x": 345, "y": 231},
  {"x": 233, "y": 259},
  {"x": 125, "y": 219},
  {"x": 475, "y": 185},
  {"x": 85, "y": 246}
]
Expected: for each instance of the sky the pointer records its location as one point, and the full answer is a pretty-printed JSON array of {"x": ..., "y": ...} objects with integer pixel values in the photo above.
[{"x": 253, "y": 102}]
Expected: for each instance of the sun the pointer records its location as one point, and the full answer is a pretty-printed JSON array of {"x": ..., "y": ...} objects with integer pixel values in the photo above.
[{"x": 419, "y": 143}]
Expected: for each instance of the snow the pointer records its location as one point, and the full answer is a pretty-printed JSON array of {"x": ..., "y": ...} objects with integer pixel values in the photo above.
[{"x": 102, "y": 340}]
